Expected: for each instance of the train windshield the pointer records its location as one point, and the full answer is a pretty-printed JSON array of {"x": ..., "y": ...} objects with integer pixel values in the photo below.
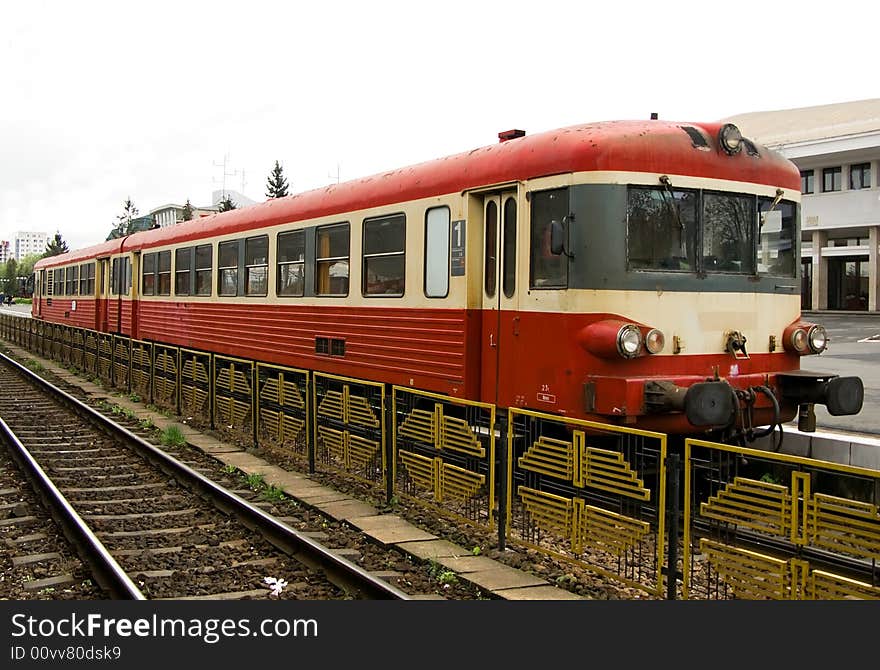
[{"x": 685, "y": 230}]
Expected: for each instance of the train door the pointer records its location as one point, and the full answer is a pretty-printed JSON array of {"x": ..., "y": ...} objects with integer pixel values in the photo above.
[
  {"x": 39, "y": 290},
  {"x": 499, "y": 322},
  {"x": 102, "y": 280}
]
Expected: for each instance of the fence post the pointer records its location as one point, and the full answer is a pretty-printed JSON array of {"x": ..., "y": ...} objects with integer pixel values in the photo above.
[
  {"x": 673, "y": 506},
  {"x": 501, "y": 478}
]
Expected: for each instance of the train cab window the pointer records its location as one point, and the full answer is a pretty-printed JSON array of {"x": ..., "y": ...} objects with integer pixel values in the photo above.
[
  {"x": 384, "y": 256},
  {"x": 227, "y": 268},
  {"x": 547, "y": 270},
  {"x": 59, "y": 281},
  {"x": 256, "y": 265},
  {"x": 776, "y": 237},
  {"x": 661, "y": 229},
  {"x": 728, "y": 233},
  {"x": 182, "y": 274},
  {"x": 204, "y": 262},
  {"x": 291, "y": 249},
  {"x": 331, "y": 259},
  {"x": 163, "y": 283},
  {"x": 87, "y": 279},
  {"x": 148, "y": 274},
  {"x": 72, "y": 280},
  {"x": 437, "y": 252}
]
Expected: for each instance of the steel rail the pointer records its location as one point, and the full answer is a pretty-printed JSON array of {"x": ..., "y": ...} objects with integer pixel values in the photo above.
[
  {"x": 345, "y": 574},
  {"x": 108, "y": 573}
]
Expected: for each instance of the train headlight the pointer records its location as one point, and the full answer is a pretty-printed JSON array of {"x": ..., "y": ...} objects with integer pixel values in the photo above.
[
  {"x": 817, "y": 338},
  {"x": 730, "y": 138},
  {"x": 654, "y": 341},
  {"x": 799, "y": 340},
  {"x": 629, "y": 341}
]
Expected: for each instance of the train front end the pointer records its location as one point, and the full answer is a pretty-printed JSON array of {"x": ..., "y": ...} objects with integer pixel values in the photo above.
[{"x": 681, "y": 304}]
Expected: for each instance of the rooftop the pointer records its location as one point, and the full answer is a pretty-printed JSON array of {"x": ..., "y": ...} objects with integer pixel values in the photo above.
[{"x": 810, "y": 124}]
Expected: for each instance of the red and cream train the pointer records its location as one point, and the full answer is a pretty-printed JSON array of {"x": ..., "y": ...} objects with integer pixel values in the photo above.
[{"x": 636, "y": 272}]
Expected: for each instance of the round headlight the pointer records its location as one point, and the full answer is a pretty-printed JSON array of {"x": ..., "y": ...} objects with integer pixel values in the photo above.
[
  {"x": 730, "y": 138},
  {"x": 799, "y": 340},
  {"x": 818, "y": 339},
  {"x": 629, "y": 341},
  {"x": 654, "y": 341}
]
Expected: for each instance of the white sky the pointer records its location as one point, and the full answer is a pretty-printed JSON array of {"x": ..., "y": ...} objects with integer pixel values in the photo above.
[{"x": 101, "y": 101}]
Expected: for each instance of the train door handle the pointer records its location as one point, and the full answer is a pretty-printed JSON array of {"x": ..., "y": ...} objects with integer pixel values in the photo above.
[{"x": 492, "y": 340}]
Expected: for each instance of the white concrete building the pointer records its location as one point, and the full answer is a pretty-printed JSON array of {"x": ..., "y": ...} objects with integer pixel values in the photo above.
[
  {"x": 837, "y": 148},
  {"x": 168, "y": 215},
  {"x": 25, "y": 243},
  {"x": 5, "y": 252}
]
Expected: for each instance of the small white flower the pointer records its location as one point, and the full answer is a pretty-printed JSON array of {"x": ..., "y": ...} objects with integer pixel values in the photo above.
[{"x": 275, "y": 585}]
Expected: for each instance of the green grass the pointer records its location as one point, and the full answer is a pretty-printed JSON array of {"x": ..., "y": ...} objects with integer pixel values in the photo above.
[
  {"x": 173, "y": 437},
  {"x": 273, "y": 494},
  {"x": 255, "y": 481}
]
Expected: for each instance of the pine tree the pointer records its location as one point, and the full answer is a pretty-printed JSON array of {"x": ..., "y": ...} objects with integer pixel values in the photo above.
[
  {"x": 227, "y": 204},
  {"x": 56, "y": 246},
  {"x": 123, "y": 226},
  {"x": 276, "y": 184},
  {"x": 187, "y": 211}
]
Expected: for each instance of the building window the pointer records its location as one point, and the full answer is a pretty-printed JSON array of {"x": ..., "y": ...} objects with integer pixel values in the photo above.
[
  {"x": 860, "y": 176},
  {"x": 831, "y": 179},
  {"x": 437, "y": 252},
  {"x": 204, "y": 259},
  {"x": 331, "y": 259},
  {"x": 807, "y": 179},
  {"x": 227, "y": 268},
  {"x": 256, "y": 265},
  {"x": 384, "y": 255},
  {"x": 291, "y": 249}
]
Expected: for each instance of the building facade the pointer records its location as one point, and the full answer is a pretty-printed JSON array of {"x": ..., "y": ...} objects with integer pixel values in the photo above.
[
  {"x": 837, "y": 148},
  {"x": 5, "y": 251},
  {"x": 26, "y": 243},
  {"x": 168, "y": 215}
]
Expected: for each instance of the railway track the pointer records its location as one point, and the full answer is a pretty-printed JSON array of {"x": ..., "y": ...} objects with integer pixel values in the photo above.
[{"x": 151, "y": 527}]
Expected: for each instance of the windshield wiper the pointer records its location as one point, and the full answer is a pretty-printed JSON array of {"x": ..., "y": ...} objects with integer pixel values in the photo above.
[
  {"x": 773, "y": 205},
  {"x": 667, "y": 190}
]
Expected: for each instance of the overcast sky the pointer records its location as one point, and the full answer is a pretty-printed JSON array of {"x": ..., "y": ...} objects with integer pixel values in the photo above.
[{"x": 103, "y": 101}]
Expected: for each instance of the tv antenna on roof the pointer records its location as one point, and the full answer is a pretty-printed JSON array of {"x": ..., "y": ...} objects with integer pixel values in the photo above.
[{"x": 227, "y": 174}]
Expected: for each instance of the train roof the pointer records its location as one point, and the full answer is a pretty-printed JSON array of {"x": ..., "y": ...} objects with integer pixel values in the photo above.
[{"x": 674, "y": 148}]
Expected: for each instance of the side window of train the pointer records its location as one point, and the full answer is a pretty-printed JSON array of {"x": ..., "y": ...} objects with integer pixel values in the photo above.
[
  {"x": 72, "y": 280},
  {"x": 148, "y": 274},
  {"x": 256, "y": 265},
  {"x": 59, "y": 281},
  {"x": 163, "y": 282},
  {"x": 546, "y": 269},
  {"x": 384, "y": 266},
  {"x": 332, "y": 248},
  {"x": 204, "y": 268},
  {"x": 227, "y": 268},
  {"x": 87, "y": 279},
  {"x": 290, "y": 257},
  {"x": 437, "y": 252},
  {"x": 183, "y": 271}
]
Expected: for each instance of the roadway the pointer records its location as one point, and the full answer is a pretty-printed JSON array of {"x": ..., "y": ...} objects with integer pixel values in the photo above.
[{"x": 851, "y": 352}]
